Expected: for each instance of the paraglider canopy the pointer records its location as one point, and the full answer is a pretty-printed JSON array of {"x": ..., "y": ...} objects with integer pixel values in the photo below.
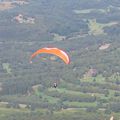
[{"x": 55, "y": 51}]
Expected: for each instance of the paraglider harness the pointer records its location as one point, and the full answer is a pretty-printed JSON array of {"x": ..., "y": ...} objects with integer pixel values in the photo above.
[{"x": 55, "y": 85}]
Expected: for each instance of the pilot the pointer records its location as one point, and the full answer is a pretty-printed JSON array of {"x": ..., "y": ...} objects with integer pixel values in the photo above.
[{"x": 55, "y": 85}]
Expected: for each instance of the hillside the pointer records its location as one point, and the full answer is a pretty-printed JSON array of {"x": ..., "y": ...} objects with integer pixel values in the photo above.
[{"x": 88, "y": 88}]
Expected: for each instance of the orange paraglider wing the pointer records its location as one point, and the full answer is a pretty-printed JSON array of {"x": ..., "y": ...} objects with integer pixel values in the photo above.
[{"x": 55, "y": 51}]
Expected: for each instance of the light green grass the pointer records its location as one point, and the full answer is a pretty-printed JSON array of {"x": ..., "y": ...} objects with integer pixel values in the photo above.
[
  {"x": 7, "y": 68},
  {"x": 80, "y": 104},
  {"x": 46, "y": 97},
  {"x": 97, "y": 28},
  {"x": 4, "y": 111},
  {"x": 57, "y": 37},
  {"x": 97, "y": 79},
  {"x": 86, "y": 11},
  {"x": 63, "y": 90}
]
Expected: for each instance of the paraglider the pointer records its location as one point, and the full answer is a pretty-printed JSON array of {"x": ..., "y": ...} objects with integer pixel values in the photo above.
[{"x": 55, "y": 51}]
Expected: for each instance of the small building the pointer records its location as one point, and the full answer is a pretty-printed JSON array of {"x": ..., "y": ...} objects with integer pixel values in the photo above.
[
  {"x": 104, "y": 46},
  {"x": 91, "y": 73},
  {"x": 23, "y": 19}
]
